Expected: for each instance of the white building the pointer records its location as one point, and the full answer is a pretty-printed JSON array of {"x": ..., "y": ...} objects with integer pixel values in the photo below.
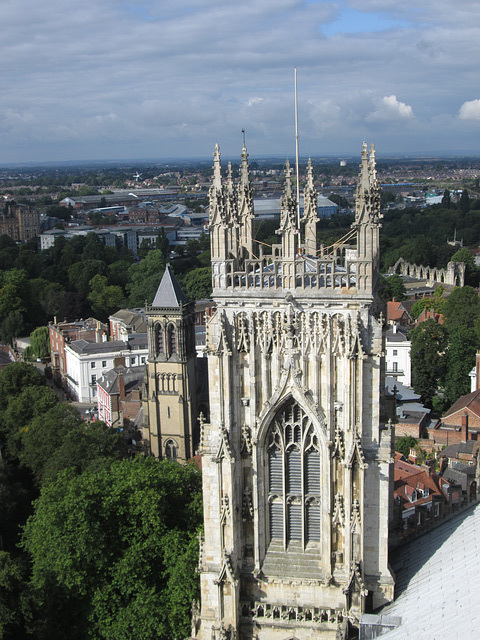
[
  {"x": 398, "y": 361},
  {"x": 87, "y": 361}
]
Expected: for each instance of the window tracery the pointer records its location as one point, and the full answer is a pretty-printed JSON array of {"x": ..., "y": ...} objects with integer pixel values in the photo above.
[{"x": 294, "y": 486}]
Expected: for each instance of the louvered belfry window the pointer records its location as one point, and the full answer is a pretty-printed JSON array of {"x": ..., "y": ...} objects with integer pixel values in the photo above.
[{"x": 293, "y": 458}]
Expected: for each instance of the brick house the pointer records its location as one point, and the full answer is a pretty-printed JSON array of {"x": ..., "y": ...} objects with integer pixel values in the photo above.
[
  {"x": 119, "y": 397},
  {"x": 19, "y": 221},
  {"x": 398, "y": 314},
  {"x": 420, "y": 495},
  {"x": 126, "y": 322},
  {"x": 62, "y": 333},
  {"x": 461, "y": 422}
]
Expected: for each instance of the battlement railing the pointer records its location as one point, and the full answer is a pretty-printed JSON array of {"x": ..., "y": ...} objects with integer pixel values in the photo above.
[{"x": 304, "y": 272}]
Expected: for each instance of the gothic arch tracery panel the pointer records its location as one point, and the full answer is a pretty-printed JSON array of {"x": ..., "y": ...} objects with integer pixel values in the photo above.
[{"x": 293, "y": 478}]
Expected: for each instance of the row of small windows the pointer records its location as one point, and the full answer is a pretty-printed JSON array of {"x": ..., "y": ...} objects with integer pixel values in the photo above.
[{"x": 133, "y": 361}]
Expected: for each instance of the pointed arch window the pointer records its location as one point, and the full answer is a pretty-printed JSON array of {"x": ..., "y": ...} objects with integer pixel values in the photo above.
[
  {"x": 170, "y": 450},
  {"x": 171, "y": 340},
  {"x": 159, "y": 339},
  {"x": 293, "y": 478}
]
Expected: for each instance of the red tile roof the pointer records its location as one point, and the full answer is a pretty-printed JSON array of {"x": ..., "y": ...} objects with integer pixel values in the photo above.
[
  {"x": 409, "y": 478},
  {"x": 395, "y": 310},
  {"x": 471, "y": 402}
]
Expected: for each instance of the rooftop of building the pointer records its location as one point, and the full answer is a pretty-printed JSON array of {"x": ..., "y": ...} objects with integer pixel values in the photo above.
[
  {"x": 470, "y": 401},
  {"x": 134, "y": 342},
  {"x": 437, "y": 583},
  {"x": 169, "y": 293},
  {"x": 132, "y": 377},
  {"x": 404, "y": 393},
  {"x": 466, "y": 448},
  {"x": 397, "y": 334}
]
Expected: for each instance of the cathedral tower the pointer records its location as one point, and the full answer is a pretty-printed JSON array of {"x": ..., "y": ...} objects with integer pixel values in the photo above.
[
  {"x": 296, "y": 457},
  {"x": 170, "y": 384}
]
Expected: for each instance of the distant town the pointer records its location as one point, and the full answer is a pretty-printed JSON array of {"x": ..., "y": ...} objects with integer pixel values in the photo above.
[
  {"x": 127, "y": 204},
  {"x": 150, "y": 314}
]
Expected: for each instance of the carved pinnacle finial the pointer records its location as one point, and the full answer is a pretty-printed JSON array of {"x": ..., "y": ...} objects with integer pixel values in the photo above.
[
  {"x": 244, "y": 169},
  {"x": 372, "y": 164},
  {"x": 364, "y": 168},
  {"x": 310, "y": 183},
  {"x": 288, "y": 179},
  {"x": 230, "y": 177},
  {"x": 217, "y": 172}
]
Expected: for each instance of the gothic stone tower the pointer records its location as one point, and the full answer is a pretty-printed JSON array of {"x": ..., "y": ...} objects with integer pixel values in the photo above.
[
  {"x": 170, "y": 383},
  {"x": 296, "y": 459}
]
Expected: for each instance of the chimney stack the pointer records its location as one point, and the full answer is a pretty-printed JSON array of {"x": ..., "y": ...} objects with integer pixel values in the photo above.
[
  {"x": 121, "y": 386},
  {"x": 465, "y": 427}
]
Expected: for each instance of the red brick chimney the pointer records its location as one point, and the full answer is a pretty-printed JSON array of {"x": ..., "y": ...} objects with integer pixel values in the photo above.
[
  {"x": 465, "y": 427},
  {"x": 121, "y": 386}
]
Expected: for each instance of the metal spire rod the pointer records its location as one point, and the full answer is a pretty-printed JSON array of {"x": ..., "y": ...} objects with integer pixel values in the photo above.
[{"x": 296, "y": 151}]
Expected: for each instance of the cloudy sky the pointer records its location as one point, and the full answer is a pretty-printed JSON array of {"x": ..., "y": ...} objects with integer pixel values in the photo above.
[{"x": 125, "y": 79}]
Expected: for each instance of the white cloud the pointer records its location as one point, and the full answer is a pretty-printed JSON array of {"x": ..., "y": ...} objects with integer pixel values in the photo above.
[
  {"x": 170, "y": 78},
  {"x": 391, "y": 109},
  {"x": 470, "y": 110}
]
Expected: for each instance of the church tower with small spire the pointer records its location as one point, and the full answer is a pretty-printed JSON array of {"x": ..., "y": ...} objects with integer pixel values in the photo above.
[
  {"x": 169, "y": 403},
  {"x": 297, "y": 455}
]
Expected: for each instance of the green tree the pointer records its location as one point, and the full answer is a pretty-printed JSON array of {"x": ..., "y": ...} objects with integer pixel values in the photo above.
[
  {"x": 462, "y": 321},
  {"x": 162, "y": 242},
  {"x": 80, "y": 274},
  {"x": 197, "y": 284},
  {"x": 461, "y": 309},
  {"x": 446, "y": 200},
  {"x": 435, "y": 302},
  {"x": 15, "y": 602},
  {"x": 49, "y": 295},
  {"x": 460, "y": 359},
  {"x": 14, "y": 379},
  {"x": 94, "y": 248},
  {"x": 403, "y": 445},
  {"x": 33, "y": 401},
  {"x": 118, "y": 272},
  {"x": 392, "y": 287},
  {"x": 105, "y": 299},
  {"x": 472, "y": 272},
  {"x": 117, "y": 545},
  {"x": 59, "y": 439},
  {"x": 464, "y": 203},
  {"x": 145, "y": 278},
  {"x": 40, "y": 342},
  {"x": 429, "y": 342},
  {"x": 13, "y": 286}
]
